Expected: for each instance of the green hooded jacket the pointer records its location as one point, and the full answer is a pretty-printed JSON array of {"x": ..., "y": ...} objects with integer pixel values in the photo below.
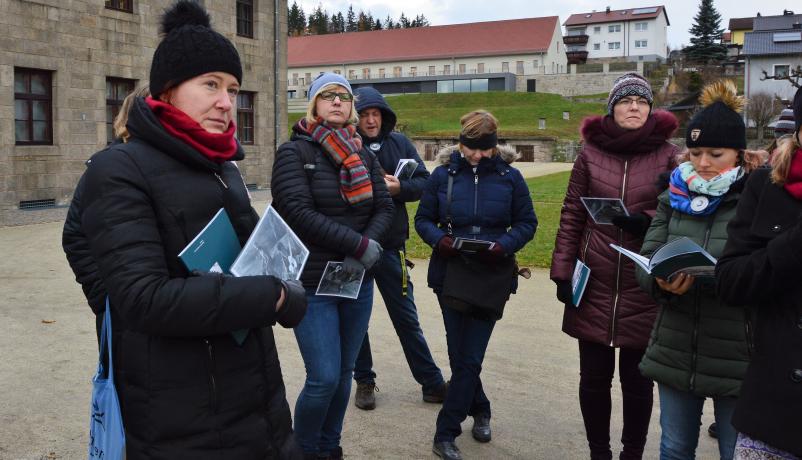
[{"x": 698, "y": 343}]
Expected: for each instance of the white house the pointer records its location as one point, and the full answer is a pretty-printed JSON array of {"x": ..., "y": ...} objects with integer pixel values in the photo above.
[
  {"x": 773, "y": 46},
  {"x": 481, "y": 56},
  {"x": 636, "y": 34}
]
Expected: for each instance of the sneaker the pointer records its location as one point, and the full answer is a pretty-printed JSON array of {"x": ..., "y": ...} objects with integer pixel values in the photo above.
[
  {"x": 364, "y": 398},
  {"x": 437, "y": 395}
]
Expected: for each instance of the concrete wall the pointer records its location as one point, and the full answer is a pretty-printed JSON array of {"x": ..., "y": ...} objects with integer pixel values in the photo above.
[{"x": 83, "y": 43}]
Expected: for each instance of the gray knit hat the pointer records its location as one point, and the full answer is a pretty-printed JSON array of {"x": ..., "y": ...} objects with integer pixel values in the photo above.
[
  {"x": 630, "y": 84},
  {"x": 325, "y": 79}
]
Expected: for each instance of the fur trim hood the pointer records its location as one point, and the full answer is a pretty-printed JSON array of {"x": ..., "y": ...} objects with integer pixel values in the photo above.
[{"x": 506, "y": 152}]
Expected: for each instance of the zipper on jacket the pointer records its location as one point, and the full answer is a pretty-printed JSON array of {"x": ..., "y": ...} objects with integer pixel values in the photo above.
[
  {"x": 697, "y": 313},
  {"x": 221, "y": 180},
  {"x": 475, "y": 193},
  {"x": 587, "y": 243},
  {"x": 750, "y": 344},
  {"x": 212, "y": 382},
  {"x": 618, "y": 264}
]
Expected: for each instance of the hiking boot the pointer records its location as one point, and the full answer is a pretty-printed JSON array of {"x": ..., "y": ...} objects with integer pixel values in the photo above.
[
  {"x": 446, "y": 450},
  {"x": 437, "y": 395},
  {"x": 481, "y": 428},
  {"x": 364, "y": 398}
]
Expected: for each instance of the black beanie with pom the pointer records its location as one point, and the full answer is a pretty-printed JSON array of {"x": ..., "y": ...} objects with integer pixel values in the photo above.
[
  {"x": 190, "y": 47},
  {"x": 719, "y": 123}
]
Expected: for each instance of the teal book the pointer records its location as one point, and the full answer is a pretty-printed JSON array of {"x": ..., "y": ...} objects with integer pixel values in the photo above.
[
  {"x": 213, "y": 250},
  {"x": 579, "y": 281}
]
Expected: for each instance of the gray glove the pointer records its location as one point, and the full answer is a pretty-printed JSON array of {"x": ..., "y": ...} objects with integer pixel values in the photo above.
[
  {"x": 352, "y": 266},
  {"x": 294, "y": 308},
  {"x": 371, "y": 255}
]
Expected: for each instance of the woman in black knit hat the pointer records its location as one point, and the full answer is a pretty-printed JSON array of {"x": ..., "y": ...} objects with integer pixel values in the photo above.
[
  {"x": 761, "y": 268},
  {"x": 699, "y": 346},
  {"x": 187, "y": 388}
]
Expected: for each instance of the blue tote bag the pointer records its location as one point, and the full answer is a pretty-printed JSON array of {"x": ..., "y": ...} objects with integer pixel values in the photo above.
[{"x": 106, "y": 434}]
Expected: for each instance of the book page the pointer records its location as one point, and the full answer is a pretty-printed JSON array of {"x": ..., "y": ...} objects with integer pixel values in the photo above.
[{"x": 641, "y": 261}]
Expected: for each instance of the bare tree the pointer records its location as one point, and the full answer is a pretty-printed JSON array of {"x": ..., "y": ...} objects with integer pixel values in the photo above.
[
  {"x": 793, "y": 76},
  {"x": 761, "y": 108}
]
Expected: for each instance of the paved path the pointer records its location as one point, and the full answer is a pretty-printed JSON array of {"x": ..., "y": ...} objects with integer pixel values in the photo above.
[{"x": 530, "y": 374}]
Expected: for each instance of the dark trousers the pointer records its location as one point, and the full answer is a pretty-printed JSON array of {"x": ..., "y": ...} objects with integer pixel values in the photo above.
[
  {"x": 596, "y": 367},
  {"x": 467, "y": 339},
  {"x": 396, "y": 291}
]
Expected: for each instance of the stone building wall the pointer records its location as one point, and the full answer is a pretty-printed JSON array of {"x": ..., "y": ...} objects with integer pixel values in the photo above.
[{"x": 83, "y": 43}]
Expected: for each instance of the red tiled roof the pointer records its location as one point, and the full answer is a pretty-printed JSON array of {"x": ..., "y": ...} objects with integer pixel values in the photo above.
[
  {"x": 613, "y": 16},
  {"x": 741, "y": 23},
  {"x": 515, "y": 36}
]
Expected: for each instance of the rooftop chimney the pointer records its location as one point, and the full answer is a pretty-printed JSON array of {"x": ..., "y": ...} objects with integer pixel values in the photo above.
[
  {"x": 788, "y": 13},
  {"x": 608, "y": 10}
]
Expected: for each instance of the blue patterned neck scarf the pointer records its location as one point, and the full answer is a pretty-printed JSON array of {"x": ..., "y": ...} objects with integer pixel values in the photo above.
[{"x": 690, "y": 194}]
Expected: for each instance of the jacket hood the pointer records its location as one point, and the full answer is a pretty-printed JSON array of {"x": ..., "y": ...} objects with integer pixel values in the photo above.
[
  {"x": 368, "y": 97},
  {"x": 144, "y": 126},
  {"x": 506, "y": 152}
]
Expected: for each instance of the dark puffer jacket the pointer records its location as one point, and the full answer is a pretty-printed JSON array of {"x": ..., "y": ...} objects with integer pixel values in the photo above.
[
  {"x": 614, "y": 310},
  {"x": 761, "y": 268},
  {"x": 699, "y": 344},
  {"x": 181, "y": 378},
  {"x": 329, "y": 227},
  {"x": 495, "y": 199},
  {"x": 392, "y": 148}
]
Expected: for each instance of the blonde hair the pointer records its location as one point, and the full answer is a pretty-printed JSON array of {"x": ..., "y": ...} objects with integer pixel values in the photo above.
[
  {"x": 120, "y": 130},
  {"x": 781, "y": 158},
  {"x": 748, "y": 159},
  {"x": 478, "y": 123},
  {"x": 311, "y": 112}
]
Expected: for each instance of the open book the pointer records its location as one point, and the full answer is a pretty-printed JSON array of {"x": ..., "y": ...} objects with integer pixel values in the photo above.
[
  {"x": 406, "y": 167},
  {"x": 680, "y": 255}
]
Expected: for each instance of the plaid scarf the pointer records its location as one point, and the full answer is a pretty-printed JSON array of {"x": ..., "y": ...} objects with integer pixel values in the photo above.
[{"x": 343, "y": 146}]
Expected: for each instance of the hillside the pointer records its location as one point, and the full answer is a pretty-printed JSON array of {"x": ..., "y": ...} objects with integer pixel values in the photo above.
[{"x": 518, "y": 113}]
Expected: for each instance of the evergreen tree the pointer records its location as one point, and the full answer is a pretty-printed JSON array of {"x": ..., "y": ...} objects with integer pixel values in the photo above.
[
  {"x": 706, "y": 36},
  {"x": 362, "y": 23},
  {"x": 319, "y": 21},
  {"x": 350, "y": 20},
  {"x": 296, "y": 20},
  {"x": 337, "y": 23},
  {"x": 403, "y": 22},
  {"x": 377, "y": 25},
  {"x": 388, "y": 23}
]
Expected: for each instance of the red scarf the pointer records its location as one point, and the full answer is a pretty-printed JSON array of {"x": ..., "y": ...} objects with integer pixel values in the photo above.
[
  {"x": 216, "y": 147},
  {"x": 793, "y": 183},
  {"x": 607, "y": 135}
]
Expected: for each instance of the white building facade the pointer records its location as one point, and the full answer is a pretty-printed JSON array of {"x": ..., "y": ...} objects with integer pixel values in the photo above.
[{"x": 637, "y": 34}]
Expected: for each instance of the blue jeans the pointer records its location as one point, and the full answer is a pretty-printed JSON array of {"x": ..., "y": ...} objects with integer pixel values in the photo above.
[
  {"x": 329, "y": 338},
  {"x": 467, "y": 339},
  {"x": 396, "y": 290},
  {"x": 680, "y": 418}
]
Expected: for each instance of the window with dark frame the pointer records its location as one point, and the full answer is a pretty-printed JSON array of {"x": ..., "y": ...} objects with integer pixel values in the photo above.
[
  {"x": 245, "y": 18},
  {"x": 245, "y": 117},
  {"x": 33, "y": 107},
  {"x": 121, "y": 5},
  {"x": 116, "y": 91}
]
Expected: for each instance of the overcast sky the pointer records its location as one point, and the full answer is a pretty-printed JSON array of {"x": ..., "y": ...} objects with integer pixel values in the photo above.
[{"x": 441, "y": 12}]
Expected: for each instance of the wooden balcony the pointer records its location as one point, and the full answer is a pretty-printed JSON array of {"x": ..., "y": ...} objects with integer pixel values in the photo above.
[
  {"x": 577, "y": 57},
  {"x": 575, "y": 39}
]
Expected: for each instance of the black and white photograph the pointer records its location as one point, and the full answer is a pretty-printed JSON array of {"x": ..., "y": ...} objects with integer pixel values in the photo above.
[
  {"x": 339, "y": 282},
  {"x": 602, "y": 210},
  {"x": 272, "y": 249}
]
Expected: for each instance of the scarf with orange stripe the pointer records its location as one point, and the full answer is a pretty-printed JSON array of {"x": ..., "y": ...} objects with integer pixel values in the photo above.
[{"x": 343, "y": 146}]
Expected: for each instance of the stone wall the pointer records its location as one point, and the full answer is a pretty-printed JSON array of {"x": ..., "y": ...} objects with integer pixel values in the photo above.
[
  {"x": 531, "y": 149},
  {"x": 573, "y": 83},
  {"x": 83, "y": 43}
]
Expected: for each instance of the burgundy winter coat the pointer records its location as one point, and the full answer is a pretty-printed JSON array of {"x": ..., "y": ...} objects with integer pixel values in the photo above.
[{"x": 613, "y": 310}]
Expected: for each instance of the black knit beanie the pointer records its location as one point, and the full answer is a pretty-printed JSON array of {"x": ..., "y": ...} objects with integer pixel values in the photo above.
[
  {"x": 190, "y": 47},
  {"x": 797, "y": 105},
  {"x": 719, "y": 123}
]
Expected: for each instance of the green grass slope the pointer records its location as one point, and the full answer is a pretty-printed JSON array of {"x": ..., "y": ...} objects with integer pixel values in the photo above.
[{"x": 518, "y": 113}]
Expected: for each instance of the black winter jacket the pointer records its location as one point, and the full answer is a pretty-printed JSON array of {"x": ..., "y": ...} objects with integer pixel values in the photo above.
[
  {"x": 329, "y": 227},
  {"x": 186, "y": 389},
  {"x": 392, "y": 147},
  {"x": 761, "y": 267}
]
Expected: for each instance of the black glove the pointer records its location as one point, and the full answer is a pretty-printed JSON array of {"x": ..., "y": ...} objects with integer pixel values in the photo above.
[
  {"x": 565, "y": 293},
  {"x": 492, "y": 256},
  {"x": 636, "y": 224},
  {"x": 445, "y": 247},
  {"x": 371, "y": 255},
  {"x": 292, "y": 311}
]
